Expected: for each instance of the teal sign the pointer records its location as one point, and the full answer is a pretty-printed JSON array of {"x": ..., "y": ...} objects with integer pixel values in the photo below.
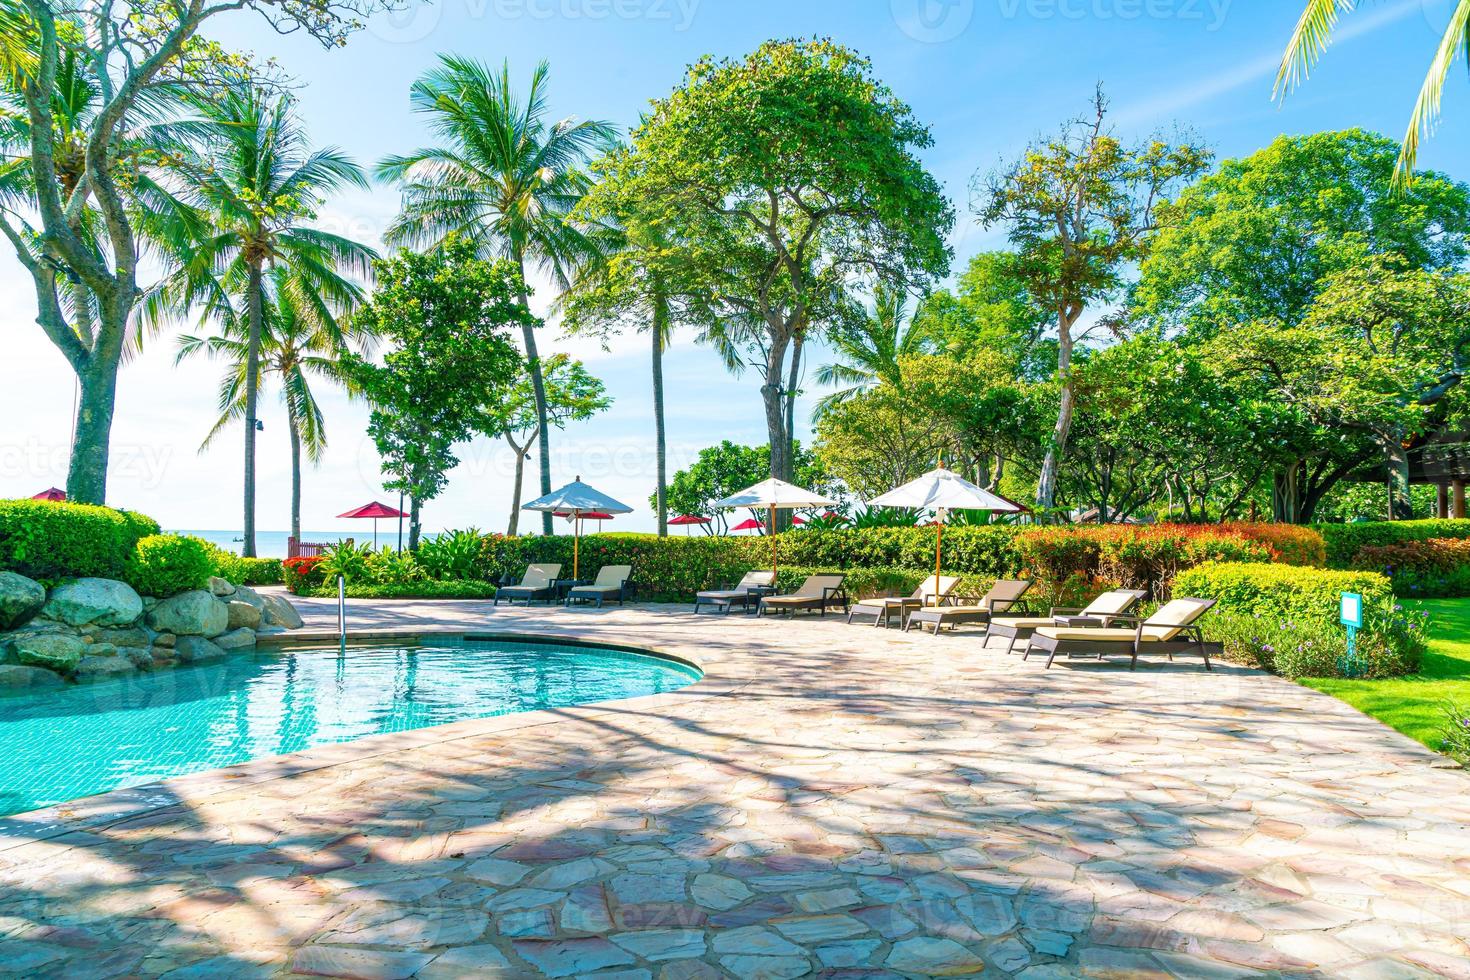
[{"x": 1350, "y": 611}]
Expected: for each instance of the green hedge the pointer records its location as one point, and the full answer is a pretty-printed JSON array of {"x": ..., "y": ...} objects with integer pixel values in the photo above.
[
  {"x": 410, "y": 590},
  {"x": 1286, "y": 619},
  {"x": 1344, "y": 541},
  {"x": 247, "y": 571},
  {"x": 1437, "y": 568},
  {"x": 52, "y": 542},
  {"x": 164, "y": 565}
]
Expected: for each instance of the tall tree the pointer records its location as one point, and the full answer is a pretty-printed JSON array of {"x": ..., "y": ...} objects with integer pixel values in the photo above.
[
  {"x": 504, "y": 176},
  {"x": 869, "y": 347},
  {"x": 634, "y": 284},
  {"x": 303, "y": 338},
  {"x": 722, "y": 470},
  {"x": 1250, "y": 248},
  {"x": 1080, "y": 209},
  {"x": 246, "y": 183},
  {"x": 783, "y": 180},
  {"x": 1314, "y": 33},
  {"x": 452, "y": 366},
  {"x": 572, "y": 395},
  {"x": 137, "y": 55}
]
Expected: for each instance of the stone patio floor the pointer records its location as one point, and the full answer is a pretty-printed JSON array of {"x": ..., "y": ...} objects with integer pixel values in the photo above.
[{"x": 831, "y": 800}]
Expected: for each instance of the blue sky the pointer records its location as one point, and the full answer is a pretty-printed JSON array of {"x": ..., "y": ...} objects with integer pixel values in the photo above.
[{"x": 987, "y": 75}]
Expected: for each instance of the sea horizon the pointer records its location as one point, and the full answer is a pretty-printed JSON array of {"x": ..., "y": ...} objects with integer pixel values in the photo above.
[{"x": 272, "y": 544}]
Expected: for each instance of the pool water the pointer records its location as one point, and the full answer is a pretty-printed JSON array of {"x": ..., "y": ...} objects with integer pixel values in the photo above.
[{"x": 73, "y": 742}]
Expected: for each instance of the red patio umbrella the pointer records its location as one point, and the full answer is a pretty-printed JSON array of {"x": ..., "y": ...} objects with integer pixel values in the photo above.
[
  {"x": 750, "y": 524},
  {"x": 591, "y": 515},
  {"x": 50, "y": 493},
  {"x": 374, "y": 510},
  {"x": 688, "y": 521}
]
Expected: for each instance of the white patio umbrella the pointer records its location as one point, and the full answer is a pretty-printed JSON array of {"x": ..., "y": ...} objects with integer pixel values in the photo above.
[
  {"x": 942, "y": 491},
  {"x": 576, "y": 499},
  {"x": 774, "y": 494}
]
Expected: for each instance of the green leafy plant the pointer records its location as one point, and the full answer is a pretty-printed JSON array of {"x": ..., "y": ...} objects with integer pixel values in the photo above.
[
  {"x": 52, "y": 542},
  {"x": 389, "y": 567},
  {"x": 164, "y": 565},
  {"x": 347, "y": 559},
  {"x": 457, "y": 555},
  {"x": 1457, "y": 731}
]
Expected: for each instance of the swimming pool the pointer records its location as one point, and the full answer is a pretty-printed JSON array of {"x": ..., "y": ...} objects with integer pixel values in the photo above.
[{"x": 64, "y": 744}]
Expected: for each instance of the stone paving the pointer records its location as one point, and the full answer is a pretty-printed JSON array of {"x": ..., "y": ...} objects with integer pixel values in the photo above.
[{"x": 831, "y": 800}]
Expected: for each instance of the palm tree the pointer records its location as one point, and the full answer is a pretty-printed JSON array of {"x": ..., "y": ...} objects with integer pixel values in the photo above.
[
  {"x": 242, "y": 186},
  {"x": 503, "y": 176},
  {"x": 1314, "y": 32},
  {"x": 870, "y": 347},
  {"x": 302, "y": 337}
]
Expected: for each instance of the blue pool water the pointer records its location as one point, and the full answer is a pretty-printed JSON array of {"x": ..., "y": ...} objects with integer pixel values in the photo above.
[{"x": 77, "y": 741}]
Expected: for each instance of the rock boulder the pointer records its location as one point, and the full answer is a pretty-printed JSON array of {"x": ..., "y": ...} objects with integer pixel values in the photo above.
[
  {"x": 196, "y": 649},
  {"x": 243, "y": 614},
  {"x": 100, "y": 601},
  {"x": 246, "y": 594},
  {"x": 220, "y": 587},
  {"x": 97, "y": 668},
  {"x": 239, "y": 639},
  {"x": 20, "y": 599},
  {"x": 13, "y": 677},
  {"x": 54, "y": 651},
  {"x": 196, "y": 613},
  {"x": 279, "y": 612}
]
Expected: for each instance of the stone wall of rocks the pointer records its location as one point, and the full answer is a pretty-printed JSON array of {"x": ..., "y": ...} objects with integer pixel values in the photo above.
[{"x": 96, "y": 627}]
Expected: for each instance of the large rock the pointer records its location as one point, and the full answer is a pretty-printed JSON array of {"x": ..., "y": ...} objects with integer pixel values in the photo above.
[
  {"x": 100, "y": 601},
  {"x": 54, "y": 651},
  {"x": 20, "y": 599},
  {"x": 91, "y": 668},
  {"x": 243, "y": 615},
  {"x": 195, "y": 613},
  {"x": 240, "y": 639},
  {"x": 196, "y": 649},
  {"x": 134, "y": 636},
  {"x": 220, "y": 587},
  {"x": 279, "y": 612},
  {"x": 244, "y": 593},
  {"x": 13, "y": 677}
]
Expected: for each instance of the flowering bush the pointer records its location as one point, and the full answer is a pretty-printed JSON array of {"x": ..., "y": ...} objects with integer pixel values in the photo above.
[
  {"x": 1344, "y": 541},
  {"x": 1457, "y": 731},
  {"x": 303, "y": 574},
  {"x": 1430, "y": 569}
]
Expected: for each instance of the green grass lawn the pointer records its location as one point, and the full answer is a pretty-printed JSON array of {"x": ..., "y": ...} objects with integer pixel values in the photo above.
[{"x": 1414, "y": 704}]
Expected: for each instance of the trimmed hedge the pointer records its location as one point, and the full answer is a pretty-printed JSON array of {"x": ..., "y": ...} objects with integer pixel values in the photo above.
[
  {"x": 1344, "y": 541},
  {"x": 1285, "y": 619},
  {"x": 53, "y": 541},
  {"x": 410, "y": 590},
  {"x": 164, "y": 565},
  {"x": 247, "y": 571},
  {"x": 1438, "y": 568}
]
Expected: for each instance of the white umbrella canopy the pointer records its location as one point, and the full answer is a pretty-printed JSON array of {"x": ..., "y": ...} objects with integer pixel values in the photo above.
[
  {"x": 577, "y": 498},
  {"x": 774, "y": 494},
  {"x": 943, "y": 490}
]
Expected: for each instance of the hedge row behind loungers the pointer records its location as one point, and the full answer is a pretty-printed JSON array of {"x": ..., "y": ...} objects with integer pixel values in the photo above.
[
  {"x": 1286, "y": 619},
  {"x": 1344, "y": 541},
  {"x": 52, "y": 542},
  {"x": 1438, "y": 568}
]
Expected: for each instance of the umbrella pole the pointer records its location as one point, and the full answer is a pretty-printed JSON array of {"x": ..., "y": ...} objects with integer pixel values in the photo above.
[
  {"x": 375, "y": 534},
  {"x": 576, "y": 545},
  {"x": 938, "y": 551},
  {"x": 771, "y": 530}
]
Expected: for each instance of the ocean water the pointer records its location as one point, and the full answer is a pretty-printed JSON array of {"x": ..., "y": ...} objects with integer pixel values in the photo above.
[
  {"x": 272, "y": 544},
  {"x": 84, "y": 739}
]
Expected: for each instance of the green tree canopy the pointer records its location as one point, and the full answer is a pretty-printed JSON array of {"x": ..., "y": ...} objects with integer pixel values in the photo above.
[
  {"x": 729, "y": 468},
  {"x": 781, "y": 180},
  {"x": 452, "y": 366}
]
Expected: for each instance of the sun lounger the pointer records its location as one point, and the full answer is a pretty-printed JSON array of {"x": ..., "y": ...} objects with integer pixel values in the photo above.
[
  {"x": 1102, "y": 611},
  {"x": 750, "y": 588},
  {"x": 539, "y": 582},
  {"x": 1172, "y": 629},
  {"x": 884, "y": 608},
  {"x": 817, "y": 592},
  {"x": 1003, "y": 596},
  {"x": 611, "y": 583}
]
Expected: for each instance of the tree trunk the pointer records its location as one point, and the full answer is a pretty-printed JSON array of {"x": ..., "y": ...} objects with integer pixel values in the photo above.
[
  {"x": 514, "y": 526},
  {"x": 413, "y": 524},
  {"x": 1046, "y": 484},
  {"x": 660, "y": 446},
  {"x": 775, "y": 405},
  {"x": 295, "y": 431},
  {"x": 538, "y": 388},
  {"x": 256, "y": 313},
  {"x": 1285, "y": 498},
  {"x": 1400, "y": 504},
  {"x": 793, "y": 382},
  {"x": 86, "y": 478}
]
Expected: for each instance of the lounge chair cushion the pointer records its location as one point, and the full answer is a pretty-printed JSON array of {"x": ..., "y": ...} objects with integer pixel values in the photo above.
[
  {"x": 1111, "y": 635},
  {"x": 792, "y": 600},
  {"x": 1023, "y": 622}
]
